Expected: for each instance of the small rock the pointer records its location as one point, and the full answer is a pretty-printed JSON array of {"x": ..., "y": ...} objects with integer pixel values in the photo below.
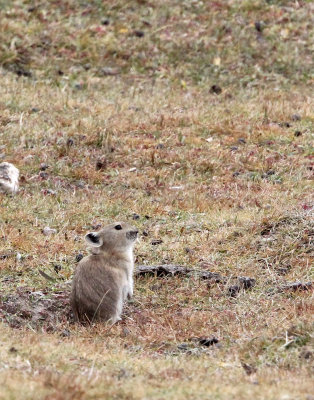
[
  {"x": 49, "y": 328},
  {"x": 296, "y": 117},
  {"x": 25, "y": 313},
  {"x": 267, "y": 174},
  {"x": 215, "y": 89},
  {"x": 295, "y": 286},
  {"x": 43, "y": 175},
  {"x": 79, "y": 257},
  {"x": 241, "y": 140},
  {"x": 259, "y": 26},
  {"x": 105, "y": 21},
  {"x": 125, "y": 332},
  {"x": 160, "y": 146},
  {"x": 101, "y": 165},
  {"x": 211, "y": 276},
  {"x": 204, "y": 341},
  {"x": 35, "y": 110},
  {"x": 57, "y": 268},
  {"x": 9, "y": 178},
  {"x": 233, "y": 290},
  {"x": 139, "y": 34},
  {"x": 80, "y": 184},
  {"x": 137, "y": 109},
  {"x": 108, "y": 71},
  {"x": 123, "y": 374},
  {"x": 181, "y": 187},
  {"x": 307, "y": 353},
  {"x": 78, "y": 86},
  {"x": 161, "y": 270},
  {"x": 12, "y": 349},
  {"x": 49, "y": 191},
  {"x": 44, "y": 166},
  {"x": 18, "y": 257},
  {"x": 246, "y": 283},
  {"x": 28, "y": 158},
  {"x": 154, "y": 288},
  {"x": 183, "y": 346},
  {"x": 65, "y": 333},
  {"x": 48, "y": 231},
  {"x": 235, "y": 174},
  {"x": 267, "y": 229},
  {"x": 249, "y": 369},
  {"x": 23, "y": 72},
  {"x": 283, "y": 270},
  {"x": 132, "y": 169},
  {"x": 233, "y": 148},
  {"x": 155, "y": 242},
  {"x": 297, "y": 133},
  {"x": 70, "y": 142}
]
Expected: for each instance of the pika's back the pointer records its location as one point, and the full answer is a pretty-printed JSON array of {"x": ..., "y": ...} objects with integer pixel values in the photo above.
[{"x": 96, "y": 289}]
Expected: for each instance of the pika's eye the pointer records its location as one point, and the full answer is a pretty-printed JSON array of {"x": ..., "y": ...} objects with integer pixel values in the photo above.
[{"x": 118, "y": 227}]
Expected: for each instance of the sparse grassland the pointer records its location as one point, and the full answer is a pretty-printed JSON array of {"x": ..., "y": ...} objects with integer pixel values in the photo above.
[{"x": 198, "y": 118}]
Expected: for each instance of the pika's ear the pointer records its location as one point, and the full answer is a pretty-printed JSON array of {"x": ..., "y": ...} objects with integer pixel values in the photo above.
[{"x": 93, "y": 239}]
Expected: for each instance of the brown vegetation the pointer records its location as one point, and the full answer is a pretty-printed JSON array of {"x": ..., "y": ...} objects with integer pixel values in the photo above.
[{"x": 193, "y": 121}]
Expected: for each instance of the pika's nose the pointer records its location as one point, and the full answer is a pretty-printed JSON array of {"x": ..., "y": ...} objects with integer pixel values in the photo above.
[{"x": 135, "y": 233}]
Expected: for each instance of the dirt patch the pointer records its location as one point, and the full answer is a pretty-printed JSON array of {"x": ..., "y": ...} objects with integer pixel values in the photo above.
[
  {"x": 161, "y": 270},
  {"x": 49, "y": 309},
  {"x": 297, "y": 286},
  {"x": 37, "y": 309}
]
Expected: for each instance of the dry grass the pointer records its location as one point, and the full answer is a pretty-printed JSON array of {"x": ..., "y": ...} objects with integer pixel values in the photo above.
[
  {"x": 224, "y": 180},
  {"x": 93, "y": 365}
]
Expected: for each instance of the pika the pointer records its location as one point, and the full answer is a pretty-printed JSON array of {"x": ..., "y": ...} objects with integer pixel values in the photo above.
[
  {"x": 104, "y": 279},
  {"x": 9, "y": 178}
]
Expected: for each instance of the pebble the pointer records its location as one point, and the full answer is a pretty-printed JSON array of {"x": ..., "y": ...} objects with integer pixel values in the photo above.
[
  {"x": 9, "y": 178},
  {"x": 48, "y": 231}
]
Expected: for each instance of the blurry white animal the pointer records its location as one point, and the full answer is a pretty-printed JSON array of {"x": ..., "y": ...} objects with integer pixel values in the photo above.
[{"x": 9, "y": 178}]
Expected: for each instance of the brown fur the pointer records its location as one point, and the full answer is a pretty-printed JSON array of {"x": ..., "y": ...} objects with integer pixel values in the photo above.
[{"x": 103, "y": 280}]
